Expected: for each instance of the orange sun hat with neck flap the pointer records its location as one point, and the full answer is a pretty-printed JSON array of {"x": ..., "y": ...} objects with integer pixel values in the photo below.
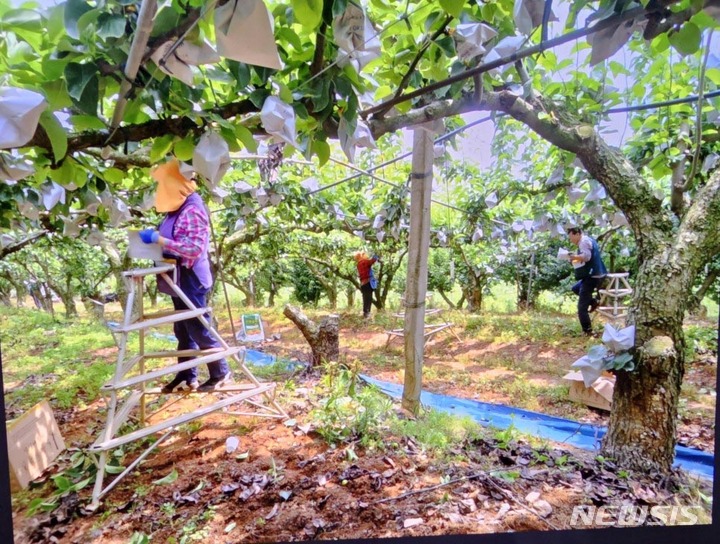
[{"x": 173, "y": 187}]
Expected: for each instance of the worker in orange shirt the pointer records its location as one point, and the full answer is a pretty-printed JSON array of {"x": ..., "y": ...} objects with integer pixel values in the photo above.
[{"x": 368, "y": 282}]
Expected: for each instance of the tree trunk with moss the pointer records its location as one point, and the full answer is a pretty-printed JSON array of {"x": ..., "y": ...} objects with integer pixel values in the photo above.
[
  {"x": 642, "y": 427},
  {"x": 323, "y": 337}
]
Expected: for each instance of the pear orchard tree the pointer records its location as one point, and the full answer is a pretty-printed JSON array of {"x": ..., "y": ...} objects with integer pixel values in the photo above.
[{"x": 101, "y": 91}]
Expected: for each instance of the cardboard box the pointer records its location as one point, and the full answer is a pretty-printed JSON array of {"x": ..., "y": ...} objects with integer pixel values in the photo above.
[
  {"x": 598, "y": 395},
  {"x": 34, "y": 442}
]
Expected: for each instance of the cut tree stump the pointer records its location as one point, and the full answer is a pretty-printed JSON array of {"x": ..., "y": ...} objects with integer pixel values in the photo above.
[{"x": 324, "y": 338}]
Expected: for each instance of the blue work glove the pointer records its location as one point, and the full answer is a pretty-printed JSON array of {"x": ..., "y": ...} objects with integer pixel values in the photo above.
[{"x": 149, "y": 236}]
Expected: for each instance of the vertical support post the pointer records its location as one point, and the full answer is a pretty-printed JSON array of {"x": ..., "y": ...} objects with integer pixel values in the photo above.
[
  {"x": 141, "y": 346},
  {"x": 417, "y": 269}
]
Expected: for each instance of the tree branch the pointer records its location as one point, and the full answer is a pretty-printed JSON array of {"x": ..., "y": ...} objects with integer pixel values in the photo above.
[
  {"x": 8, "y": 250},
  {"x": 317, "y": 63},
  {"x": 697, "y": 240},
  {"x": 180, "y": 126},
  {"x": 677, "y": 179},
  {"x": 418, "y": 56}
]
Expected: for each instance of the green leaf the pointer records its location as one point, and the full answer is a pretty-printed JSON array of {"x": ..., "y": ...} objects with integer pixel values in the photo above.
[
  {"x": 114, "y": 175},
  {"x": 82, "y": 82},
  {"x": 170, "y": 478},
  {"x": 140, "y": 538},
  {"x": 184, "y": 149},
  {"x": 53, "y": 68},
  {"x": 240, "y": 71},
  {"x": 453, "y": 7},
  {"x": 660, "y": 43},
  {"x": 161, "y": 147},
  {"x": 308, "y": 12},
  {"x": 228, "y": 134},
  {"x": 704, "y": 20},
  {"x": 285, "y": 94},
  {"x": 447, "y": 45},
  {"x": 287, "y": 35},
  {"x": 86, "y": 122},
  {"x": 86, "y": 24},
  {"x": 114, "y": 469},
  {"x": 713, "y": 74},
  {"x": 74, "y": 9},
  {"x": 322, "y": 150},
  {"x": 111, "y": 26},
  {"x": 64, "y": 174},
  {"x": 56, "y": 133},
  {"x": 687, "y": 40},
  {"x": 339, "y": 7},
  {"x": 82, "y": 483},
  {"x": 246, "y": 137},
  {"x": 62, "y": 483},
  {"x": 166, "y": 20},
  {"x": 23, "y": 18}
]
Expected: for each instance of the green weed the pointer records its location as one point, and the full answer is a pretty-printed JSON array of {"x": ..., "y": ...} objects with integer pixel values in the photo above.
[
  {"x": 437, "y": 431},
  {"x": 49, "y": 359},
  {"x": 348, "y": 411}
]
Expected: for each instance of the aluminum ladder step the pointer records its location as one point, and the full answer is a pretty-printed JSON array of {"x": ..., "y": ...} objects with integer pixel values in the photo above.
[
  {"x": 162, "y": 318},
  {"x": 100, "y": 445},
  {"x": 216, "y": 355}
]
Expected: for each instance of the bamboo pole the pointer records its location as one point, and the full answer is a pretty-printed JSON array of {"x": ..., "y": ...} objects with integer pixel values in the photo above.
[
  {"x": 417, "y": 270},
  {"x": 135, "y": 57}
]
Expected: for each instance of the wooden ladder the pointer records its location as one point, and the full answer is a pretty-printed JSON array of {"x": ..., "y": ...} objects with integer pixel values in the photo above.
[{"x": 127, "y": 390}]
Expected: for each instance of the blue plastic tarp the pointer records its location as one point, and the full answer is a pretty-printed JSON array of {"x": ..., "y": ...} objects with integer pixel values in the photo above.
[
  {"x": 259, "y": 358},
  {"x": 564, "y": 431}
]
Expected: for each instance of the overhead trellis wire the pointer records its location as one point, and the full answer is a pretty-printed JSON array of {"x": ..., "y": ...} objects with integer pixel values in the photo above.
[
  {"x": 393, "y": 184},
  {"x": 673, "y": 102},
  {"x": 439, "y": 140},
  {"x": 624, "y": 109}
]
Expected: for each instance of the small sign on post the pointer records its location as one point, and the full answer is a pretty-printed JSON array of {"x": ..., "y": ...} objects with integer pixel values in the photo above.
[
  {"x": 252, "y": 329},
  {"x": 34, "y": 441}
]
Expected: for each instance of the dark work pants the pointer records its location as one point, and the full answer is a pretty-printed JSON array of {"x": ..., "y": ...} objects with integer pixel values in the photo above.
[
  {"x": 584, "y": 290},
  {"x": 367, "y": 293},
  {"x": 191, "y": 334}
]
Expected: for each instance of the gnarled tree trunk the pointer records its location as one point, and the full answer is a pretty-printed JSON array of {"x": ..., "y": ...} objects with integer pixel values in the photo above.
[
  {"x": 324, "y": 338},
  {"x": 645, "y": 402},
  {"x": 474, "y": 296}
]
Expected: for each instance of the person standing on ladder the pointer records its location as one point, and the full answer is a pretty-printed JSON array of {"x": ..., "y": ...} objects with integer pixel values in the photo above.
[
  {"x": 368, "y": 282},
  {"x": 184, "y": 235},
  {"x": 589, "y": 275}
]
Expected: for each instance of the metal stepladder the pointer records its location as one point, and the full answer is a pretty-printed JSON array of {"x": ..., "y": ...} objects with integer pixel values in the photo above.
[
  {"x": 439, "y": 324},
  {"x": 610, "y": 297},
  {"x": 127, "y": 389}
]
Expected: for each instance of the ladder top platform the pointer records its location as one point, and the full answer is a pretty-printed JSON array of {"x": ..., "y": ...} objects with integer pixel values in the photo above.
[
  {"x": 616, "y": 292},
  {"x": 158, "y": 269}
]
